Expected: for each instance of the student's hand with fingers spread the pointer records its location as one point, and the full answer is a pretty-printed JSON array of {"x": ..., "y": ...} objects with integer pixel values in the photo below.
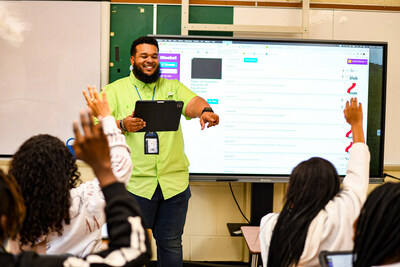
[
  {"x": 99, "y": 106},
  {"x": 92, "y": 147},
  {"x": 354, "y": 116},
  {"x": 353, "y": 112}
]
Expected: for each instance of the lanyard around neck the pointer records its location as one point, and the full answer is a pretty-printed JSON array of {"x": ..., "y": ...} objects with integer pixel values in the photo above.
[{"x": 154, "y": 91}]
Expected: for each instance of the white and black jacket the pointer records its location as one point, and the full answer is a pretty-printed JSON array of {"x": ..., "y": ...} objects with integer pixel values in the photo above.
[{"x": 129, "y": 244}]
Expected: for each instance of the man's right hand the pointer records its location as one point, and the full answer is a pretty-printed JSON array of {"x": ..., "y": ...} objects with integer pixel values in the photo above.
[{"x": 133, "y": 124}]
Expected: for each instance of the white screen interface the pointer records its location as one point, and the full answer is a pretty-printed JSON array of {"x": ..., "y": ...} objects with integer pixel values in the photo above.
[
  {"x": 279, "y": 103},
  {"x": 340, "y": 260}
]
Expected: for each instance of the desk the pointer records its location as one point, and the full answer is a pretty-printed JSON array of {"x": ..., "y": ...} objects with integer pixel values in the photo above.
[{"x": 250, "y": 234}]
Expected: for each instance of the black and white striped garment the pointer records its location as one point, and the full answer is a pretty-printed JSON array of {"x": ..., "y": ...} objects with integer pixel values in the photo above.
[{"x": 129, "y": 244}]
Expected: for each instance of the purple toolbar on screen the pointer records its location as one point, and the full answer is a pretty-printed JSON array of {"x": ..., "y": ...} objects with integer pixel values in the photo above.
[
  {"x": 169, "y": 65},
  {"x": 357, "y": 61}
]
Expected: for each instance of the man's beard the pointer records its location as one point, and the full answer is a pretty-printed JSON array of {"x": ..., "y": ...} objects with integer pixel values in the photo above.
[{"x": 137, "y": 71}]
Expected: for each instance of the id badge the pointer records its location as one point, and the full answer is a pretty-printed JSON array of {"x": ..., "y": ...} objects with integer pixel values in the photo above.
[{"x": 151, "y": 143}]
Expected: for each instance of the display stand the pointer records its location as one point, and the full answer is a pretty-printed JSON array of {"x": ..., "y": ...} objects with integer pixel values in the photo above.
[{"x": 261, "y": 204}]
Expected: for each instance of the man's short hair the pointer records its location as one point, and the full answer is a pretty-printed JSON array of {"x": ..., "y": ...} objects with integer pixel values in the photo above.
[{"x": 143, "y": 40}]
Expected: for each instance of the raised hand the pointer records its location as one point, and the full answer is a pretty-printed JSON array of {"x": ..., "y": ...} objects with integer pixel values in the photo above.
[
  {"x": 353, "y": 112},
  {"x": 98, "y": 105},
  {"x": 354, "y": 116}
]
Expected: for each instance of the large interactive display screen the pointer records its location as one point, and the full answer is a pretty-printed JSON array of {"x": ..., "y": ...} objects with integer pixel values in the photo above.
[{"x": 280, "y": 102}]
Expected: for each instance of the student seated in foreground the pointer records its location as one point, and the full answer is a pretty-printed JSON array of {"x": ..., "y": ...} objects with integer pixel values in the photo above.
[
  {"x": 128, "y": 246},
  {"x": 62, "y": 214},
  {"x": 317, "y": 214},
  {"x": 377, "y": 231}
]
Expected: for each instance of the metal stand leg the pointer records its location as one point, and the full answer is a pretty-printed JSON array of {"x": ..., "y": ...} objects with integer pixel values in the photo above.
[{"x": 254, "y": 260}]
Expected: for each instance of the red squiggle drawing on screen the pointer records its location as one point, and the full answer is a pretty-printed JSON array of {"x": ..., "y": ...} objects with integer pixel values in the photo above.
[
  {"x": 351, "y": 87},
  {"x": 348, "y": 147}
]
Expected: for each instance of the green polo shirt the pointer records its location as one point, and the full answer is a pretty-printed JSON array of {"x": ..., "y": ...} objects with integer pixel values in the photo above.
[{"x": 170, "y": 167}]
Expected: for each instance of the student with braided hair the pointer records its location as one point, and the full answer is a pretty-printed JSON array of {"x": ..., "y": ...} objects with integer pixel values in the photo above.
[
  {"x": 377, "y": 231},
  {"x": 317, "y": 214}
]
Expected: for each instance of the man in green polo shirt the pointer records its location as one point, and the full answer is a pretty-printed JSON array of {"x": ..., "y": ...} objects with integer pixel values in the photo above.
[{"x": 160, "y": 176}]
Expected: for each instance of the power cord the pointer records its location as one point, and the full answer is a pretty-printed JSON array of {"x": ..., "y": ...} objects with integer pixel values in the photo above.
[
  {"x": 237, "y": 204},
  {"x": 391, "y": 176}
]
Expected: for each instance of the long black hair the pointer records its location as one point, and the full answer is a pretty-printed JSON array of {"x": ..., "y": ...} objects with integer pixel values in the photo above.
[
  {"x": 46, "y": 171},
  {"x": 313, "y": 183},
  {"x": 377, "y": 233}
]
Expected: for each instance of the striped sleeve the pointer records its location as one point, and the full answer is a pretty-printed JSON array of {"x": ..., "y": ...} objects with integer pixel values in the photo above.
[{"x": 121, "y": 162}]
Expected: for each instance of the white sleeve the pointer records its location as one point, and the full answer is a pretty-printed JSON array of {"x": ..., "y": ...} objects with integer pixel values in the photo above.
[
  {"x": 355, "y": 184},
  {"x": 267, "y": 225},
  {"x": 121, "y": 162}
]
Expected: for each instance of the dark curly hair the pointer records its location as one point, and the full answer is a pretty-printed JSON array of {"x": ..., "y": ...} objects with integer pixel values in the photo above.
[
  {"x": 45, "y": 170},
  {"x": 143, "y": 40},
  {"x": 11, "y": 206}
]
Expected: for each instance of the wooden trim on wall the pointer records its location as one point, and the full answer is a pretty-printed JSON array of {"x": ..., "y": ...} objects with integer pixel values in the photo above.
[
  {"x": 265, "y": 4},
  {"x": 175, "y": 2},
  {"x": 222, "y": 3},
  {"x": 280, "y": 4},
  {"x": 357, "y": 7}
]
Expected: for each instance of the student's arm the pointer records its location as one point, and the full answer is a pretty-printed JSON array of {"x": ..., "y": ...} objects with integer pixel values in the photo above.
[
  {"x": 194, "y": 109},
  {"x": 128, "y": 241},
  {"x": 355, "y": 183},
  {"x": 92, "y": 147},
  {"x": 121, "y": 162}
]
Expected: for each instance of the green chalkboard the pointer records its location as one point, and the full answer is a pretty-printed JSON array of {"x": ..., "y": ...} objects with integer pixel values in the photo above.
[
  {"x": 169, "y": 19},
  {"x": 213, "y": 15},
  {"x": 130, "y": 21}
]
